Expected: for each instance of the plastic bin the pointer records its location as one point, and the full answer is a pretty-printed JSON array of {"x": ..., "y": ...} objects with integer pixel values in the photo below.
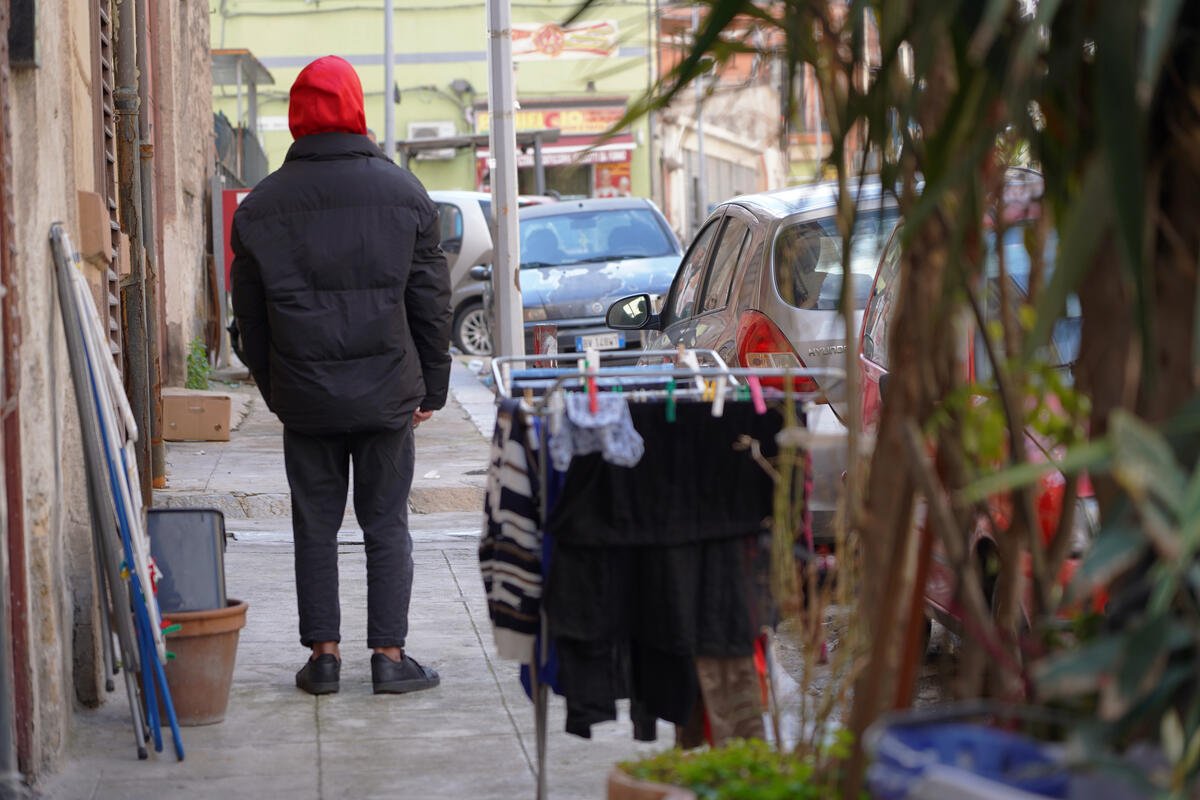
[{"x": 932, "y": 760}]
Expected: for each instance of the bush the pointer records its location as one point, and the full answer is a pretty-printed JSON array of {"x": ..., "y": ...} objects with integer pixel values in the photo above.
[
  {"x": 198, "y": 368},
  {"x": 740, "y": 770}
]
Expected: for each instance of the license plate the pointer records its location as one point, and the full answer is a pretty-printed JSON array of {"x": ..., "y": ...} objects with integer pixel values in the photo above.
[{"x": 600, "y": 341}]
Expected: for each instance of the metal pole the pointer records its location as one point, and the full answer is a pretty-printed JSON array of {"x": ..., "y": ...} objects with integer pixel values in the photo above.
[
  {"x": 133, "y": 290},
  {"x": 158, "y": 450},
  {"x": 652, "y": 117},
  {"x": 509, "y": 331},
  {"x": 539, "y": 169},
  {"x": 701, "y": 166},
  {"x": 389, "y": 80}
]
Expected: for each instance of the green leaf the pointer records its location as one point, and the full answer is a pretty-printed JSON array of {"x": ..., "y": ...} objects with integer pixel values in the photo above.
[
  {"x": 989, "y": 27},
  {"x": 1161, "y": 18},
  {"x": 1143, "y": 462},
  {"x": 1079, "y": 671},
  {"x": 1092, "y": 212},
  {"x": 1147, "y": 645},
  {"x": 1092, "y": 457},
  {"x": 1172, "y": 736},
  {"x": 1113, "y": 552}
]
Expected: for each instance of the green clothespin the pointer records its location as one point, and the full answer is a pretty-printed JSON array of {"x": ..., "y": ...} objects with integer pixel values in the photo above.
[
  {"x": 170, "y": 656},
  {"x": 743, "y": 392},
  {"x": 172, "y": 629},
  {"x": 671, "y": 400}
]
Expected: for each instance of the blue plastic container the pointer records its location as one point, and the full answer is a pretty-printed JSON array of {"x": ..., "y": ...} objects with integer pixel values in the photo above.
[{"x": 983, "y": 756}]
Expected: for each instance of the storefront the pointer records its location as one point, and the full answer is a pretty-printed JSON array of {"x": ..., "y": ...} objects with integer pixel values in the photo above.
[{"x": 581, "y": 163}]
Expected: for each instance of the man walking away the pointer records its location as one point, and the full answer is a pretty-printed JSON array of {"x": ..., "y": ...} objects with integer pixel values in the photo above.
[{"x": 341, "y": 294}]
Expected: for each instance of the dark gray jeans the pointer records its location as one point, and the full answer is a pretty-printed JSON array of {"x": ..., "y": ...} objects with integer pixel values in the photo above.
[{"x": 318, "y": 470}]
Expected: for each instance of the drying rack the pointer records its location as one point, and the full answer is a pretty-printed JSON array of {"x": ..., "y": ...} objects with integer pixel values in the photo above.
[{"x": 649, "y": 381}]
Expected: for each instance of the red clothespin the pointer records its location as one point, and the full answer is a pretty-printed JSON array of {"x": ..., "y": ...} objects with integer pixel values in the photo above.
[
  {"x": 593, "y": 360},
  {"x": 756, "y": 395}
]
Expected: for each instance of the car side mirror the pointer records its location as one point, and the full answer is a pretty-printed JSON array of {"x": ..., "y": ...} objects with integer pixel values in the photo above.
[
  {"x": 631, "y": 313},
  {"x": 480, "y": 272}
]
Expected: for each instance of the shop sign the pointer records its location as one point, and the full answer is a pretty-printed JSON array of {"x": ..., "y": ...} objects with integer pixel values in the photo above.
[
  {"x": 570, "y": 121},
  {"x": 613, "y": 180},
  {"x": 568, "y": 159},
  {"x": 538, "y": 41}
]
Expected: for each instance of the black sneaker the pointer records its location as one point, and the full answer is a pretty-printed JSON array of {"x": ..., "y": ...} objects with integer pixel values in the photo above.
[
  {"x": 400, "y": 677},
  {"x": 320, "y": 675}
]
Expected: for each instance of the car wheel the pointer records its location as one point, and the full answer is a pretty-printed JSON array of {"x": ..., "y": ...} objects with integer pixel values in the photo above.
[{"x": 473, "y": 330}]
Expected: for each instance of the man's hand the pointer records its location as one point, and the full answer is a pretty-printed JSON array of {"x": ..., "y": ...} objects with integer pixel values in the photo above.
[{"x": 420, "y": 415}]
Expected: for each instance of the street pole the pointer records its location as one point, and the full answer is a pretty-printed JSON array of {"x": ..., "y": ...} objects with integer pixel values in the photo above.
[
  {"x": 509, "y": 329},
  {"x": 702, "y": 167},
  {"x": 389, "y": 80}
]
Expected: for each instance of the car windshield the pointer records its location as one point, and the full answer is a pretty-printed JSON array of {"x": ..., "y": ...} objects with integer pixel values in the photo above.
[
  {"x": 592, "y": 236},
  {"x": 1063, "y": 348},
  {"x": 808, "y": 258}
]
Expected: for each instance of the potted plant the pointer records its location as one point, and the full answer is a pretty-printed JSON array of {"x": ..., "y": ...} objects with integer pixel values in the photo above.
[{"x": 744, "y": 769}]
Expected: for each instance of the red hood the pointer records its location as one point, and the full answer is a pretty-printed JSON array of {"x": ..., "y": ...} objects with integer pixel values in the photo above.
[{"x": 327, "y": 97}]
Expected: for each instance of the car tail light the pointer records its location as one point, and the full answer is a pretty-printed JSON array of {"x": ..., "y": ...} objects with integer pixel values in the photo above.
[{"x": 761, "y": 345}]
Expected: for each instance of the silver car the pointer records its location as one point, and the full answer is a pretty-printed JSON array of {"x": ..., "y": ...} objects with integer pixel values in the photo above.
[
  {"x": 761, "y": 284},
  {"x": 467, "y": 240}
]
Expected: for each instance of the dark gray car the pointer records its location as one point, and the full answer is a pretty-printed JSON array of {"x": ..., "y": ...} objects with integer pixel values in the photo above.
[{"x": 577, "y": 257}]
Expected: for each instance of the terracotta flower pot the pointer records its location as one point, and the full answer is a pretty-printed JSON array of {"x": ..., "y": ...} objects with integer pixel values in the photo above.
[
  {"x": 201, "y": 673},
  {"x": 623, "y": 786}
]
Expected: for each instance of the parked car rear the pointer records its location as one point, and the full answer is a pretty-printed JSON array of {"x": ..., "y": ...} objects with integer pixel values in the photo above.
[
  {"x": 941, "y": 591},
  {"x": 761, "y": 284}
]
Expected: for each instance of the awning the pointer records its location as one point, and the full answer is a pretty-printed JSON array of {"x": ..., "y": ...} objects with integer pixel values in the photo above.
[{"x": 569, "y": 150}]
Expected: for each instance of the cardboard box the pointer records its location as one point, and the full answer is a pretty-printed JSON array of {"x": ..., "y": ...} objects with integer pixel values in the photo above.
[
  {"x": 95, "y": 228},
  {"x": 190, "y": 416}
]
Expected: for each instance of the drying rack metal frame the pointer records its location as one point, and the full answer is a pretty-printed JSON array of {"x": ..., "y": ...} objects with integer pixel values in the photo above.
[{"x": 555, "y": 380}]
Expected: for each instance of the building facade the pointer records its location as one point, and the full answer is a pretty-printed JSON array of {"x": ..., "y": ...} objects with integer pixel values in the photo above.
[
  {"x": 577, "y": 79},
  {"x": 65, "y": 113}
]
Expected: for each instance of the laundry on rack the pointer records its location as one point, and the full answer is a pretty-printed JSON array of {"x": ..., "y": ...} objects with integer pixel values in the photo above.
[
  {"x": 510, "y": 550},
  {"x": 691, "y": 483},
  {"x": 607, "y": 430},
  {"x": 645, "y": 581},
  {"x": 654, "y": 565}
]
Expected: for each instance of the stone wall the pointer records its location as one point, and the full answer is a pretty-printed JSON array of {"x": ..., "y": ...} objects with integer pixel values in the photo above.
[
  {"x": 52, "y": 158},
  {"x": 184, "y": 142},
  {"x": 55, "y": 129}
]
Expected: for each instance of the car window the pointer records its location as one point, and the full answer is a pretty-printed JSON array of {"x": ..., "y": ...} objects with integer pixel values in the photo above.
[
  {"x": 808, "y": 258},
  {"x": 720, "y": 275},
  {"x": 686, "y": 288},
  {"x": 593, "y": 236},
  {"x": 450, "y": 221},
  {"x": 486, "y": 207},
  {"x": 883, "y": 301},
  {"x": 1063, "y": 348}
]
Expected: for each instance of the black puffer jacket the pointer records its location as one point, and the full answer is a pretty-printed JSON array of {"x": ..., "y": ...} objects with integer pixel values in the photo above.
[{"x": 340, "y": 289}]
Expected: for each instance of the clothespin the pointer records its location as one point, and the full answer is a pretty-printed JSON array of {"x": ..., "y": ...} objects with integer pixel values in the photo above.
[
  {"x": 743, "y": 392},
  {"x": 593, "y": 361},
  {"x": 688, "y": 359},
  {"x": 528, "y": 395},
  {"x": 670, "y": 400},
  {"x": 709, "y": 392},
  {"x": 718, "y": 400},
  {"x": 760, "y": 405}
]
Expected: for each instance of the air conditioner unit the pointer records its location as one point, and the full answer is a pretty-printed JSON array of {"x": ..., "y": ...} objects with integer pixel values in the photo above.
[{"x": 432, "y": 130}]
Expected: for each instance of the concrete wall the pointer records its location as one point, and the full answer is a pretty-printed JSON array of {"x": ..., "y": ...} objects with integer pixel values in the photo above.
[
  {"x": 51, "y": 120},
  {"x": 183, "y": 154}
]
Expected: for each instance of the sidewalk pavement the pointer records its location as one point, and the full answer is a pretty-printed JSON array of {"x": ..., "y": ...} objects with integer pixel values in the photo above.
[{"x": 472, "y": 737}]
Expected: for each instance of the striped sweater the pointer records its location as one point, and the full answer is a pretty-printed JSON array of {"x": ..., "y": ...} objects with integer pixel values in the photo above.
[{"x": 510, "y": 550}]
